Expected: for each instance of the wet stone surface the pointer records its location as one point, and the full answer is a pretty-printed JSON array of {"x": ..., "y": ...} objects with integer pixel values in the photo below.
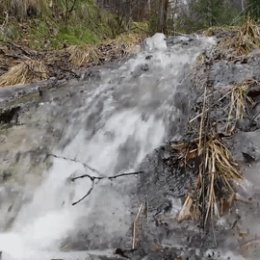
[{"x": 39, "y": 121}]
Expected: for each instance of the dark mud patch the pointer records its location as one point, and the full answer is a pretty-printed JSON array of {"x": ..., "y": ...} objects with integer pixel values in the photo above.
[{"x": 9, "y": 115}]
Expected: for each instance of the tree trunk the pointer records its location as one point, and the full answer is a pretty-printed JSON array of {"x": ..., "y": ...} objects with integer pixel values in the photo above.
[
  {"x": 163, "y": 10},
  {"x": 243, "y": 5}
]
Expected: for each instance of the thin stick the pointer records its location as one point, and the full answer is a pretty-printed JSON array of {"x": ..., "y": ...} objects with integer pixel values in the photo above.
[
  {"x": 76, "y": 161},
  {"x": 86, "y": 195},
  {"x": 200, "y": 114},
  {"x": 134, "y": 229},
  {"x": 202, "y": 121},
  {"x": 210, "y": 200}
]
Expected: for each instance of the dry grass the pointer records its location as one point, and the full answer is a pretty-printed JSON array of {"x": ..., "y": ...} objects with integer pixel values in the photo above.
[
  {"x": 238, "y": 104},
  {"x": 214, "y": 188},
  {"x": 82, "y": 55},
  {"x": 62, "y": 62},
  {"x": 247, "y": 39},
  {"x": 24, "y": 72},
  {"x": 211, "y": 31},
  {"x": 92, "y": 54},
  {"x": 126, "y": 41},
  {"x": 219, "y": 174}
]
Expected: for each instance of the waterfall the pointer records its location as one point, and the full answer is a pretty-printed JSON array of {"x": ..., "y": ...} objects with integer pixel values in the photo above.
[{"x": 111, "y": 126}]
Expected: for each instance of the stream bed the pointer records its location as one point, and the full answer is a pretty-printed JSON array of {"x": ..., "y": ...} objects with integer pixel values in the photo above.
[{"x": 104, "y": 126}]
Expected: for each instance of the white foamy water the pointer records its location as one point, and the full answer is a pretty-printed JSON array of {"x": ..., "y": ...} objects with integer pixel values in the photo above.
[{"x": 123, "y": 118}]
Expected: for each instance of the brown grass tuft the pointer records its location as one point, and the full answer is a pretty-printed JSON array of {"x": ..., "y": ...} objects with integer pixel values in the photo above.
[
  {"x": 218, "y": 173},
  {"x": 24, "y": 72},
  {"x": 214, "y": 30},
  {"x": 82, "y": 55},
  {"x": 215, "y": 184},
  {"x": 127, "y": 41},
  {"x": 121, "y": 46},
  {"x": 238, "y": 104},
  {"x": 246, "y": 39}
]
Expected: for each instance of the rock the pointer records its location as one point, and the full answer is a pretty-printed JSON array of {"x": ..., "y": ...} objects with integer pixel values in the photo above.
[{"x": 245, "y": 145}]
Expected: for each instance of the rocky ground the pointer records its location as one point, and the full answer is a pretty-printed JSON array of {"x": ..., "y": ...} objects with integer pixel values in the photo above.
[{"x": 217, "y": 72}]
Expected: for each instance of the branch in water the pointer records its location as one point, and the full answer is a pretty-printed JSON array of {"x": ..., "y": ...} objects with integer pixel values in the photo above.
[
  {"x": 93, "y": 178},
  {"x": 86, "y": 195},
  {"x": 75, "y": 161}
]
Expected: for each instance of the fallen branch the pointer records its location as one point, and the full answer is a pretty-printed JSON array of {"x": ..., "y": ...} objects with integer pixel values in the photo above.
[
  {"x": 85, "y": 196},
  {"x": 87, "y": 166},
  {"x": 93, "y": 179},
  {"x": 98, "y": 178}
]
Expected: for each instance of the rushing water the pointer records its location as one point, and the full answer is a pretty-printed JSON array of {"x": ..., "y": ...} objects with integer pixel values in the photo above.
[{"x": 116, "y": 122}]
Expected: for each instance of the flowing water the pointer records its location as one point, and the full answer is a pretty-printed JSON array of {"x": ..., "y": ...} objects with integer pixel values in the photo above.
[{"x": 111, "y": 126}]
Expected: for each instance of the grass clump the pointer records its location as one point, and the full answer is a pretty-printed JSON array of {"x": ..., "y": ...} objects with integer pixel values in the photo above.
[
  {"x": 214, "y": 30},
  {"x": 214, "y": 188},
  {"x": 126, "y": 41},
  {"x": 82, "y": 55},
  {"x": 239, "y": 101},
  {"x": 246, "y": 39},
  {"x": 24, "y": 72},
  {"x": 217, "y": 173},
  {"x": 122, "y": 45}
]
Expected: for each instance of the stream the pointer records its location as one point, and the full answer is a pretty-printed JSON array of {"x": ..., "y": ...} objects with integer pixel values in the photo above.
[{"x": 101, "y": 126}]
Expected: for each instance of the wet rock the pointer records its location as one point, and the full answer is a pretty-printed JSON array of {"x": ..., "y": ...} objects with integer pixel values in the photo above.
[
  {"x": 246, "y": 146},
  {"x": 90, "y": 74},
  {"x": 9, "y": 115},
  {"x": 163, "y": 173}
]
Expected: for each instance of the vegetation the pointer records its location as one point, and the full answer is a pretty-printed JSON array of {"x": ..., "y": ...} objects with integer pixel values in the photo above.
[
  {"x": 47, "y": 24},
  {"x": 241, "y": 40},
  {"x": 88, "y": 32},
  {"x": 254, "y": 9},
  {"x": 64, "y": 35},
  {"x": 25, "y": 72}
]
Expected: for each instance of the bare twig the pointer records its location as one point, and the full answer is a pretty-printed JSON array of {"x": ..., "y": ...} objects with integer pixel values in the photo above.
[
  {"x": 76, "y": 161},
  {"x": 135, "y": 223},
  {"x": 86, "y": 195},
  {"x": 93, "y": 179},
  {"x": 211, "y": 106}
]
